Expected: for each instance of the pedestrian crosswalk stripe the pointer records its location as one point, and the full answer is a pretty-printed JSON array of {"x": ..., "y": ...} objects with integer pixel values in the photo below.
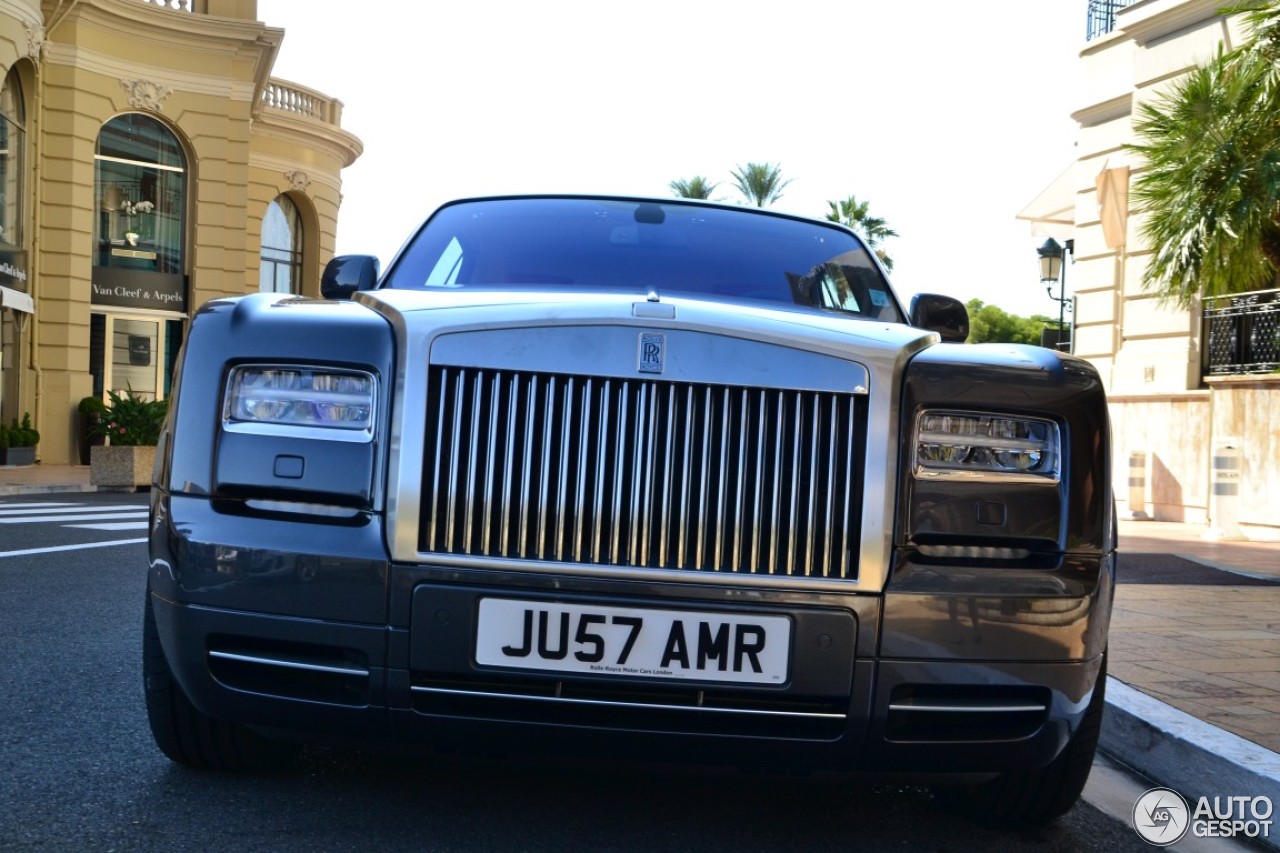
[
  {"x": 101, "y": 516},
  {"x": 21, "y": 510},
  {"x": 54, "y": 549},
  {"x": 114, "y": 525}
]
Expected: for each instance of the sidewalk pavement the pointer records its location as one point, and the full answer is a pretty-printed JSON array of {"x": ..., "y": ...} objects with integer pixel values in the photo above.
[
  {"x": 1194, "y": 696},
  {"x": 37, "y": 479}
]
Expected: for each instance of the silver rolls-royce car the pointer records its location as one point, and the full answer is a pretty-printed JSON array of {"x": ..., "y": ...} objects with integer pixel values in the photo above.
[{"x": 646, "y": 478}]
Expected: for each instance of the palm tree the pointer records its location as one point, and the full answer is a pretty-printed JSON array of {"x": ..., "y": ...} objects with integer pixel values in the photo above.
[
  {"x": 1210, "y": 187},
  {"x": 760, "y": 183},
  {"x": 854, "y": 214},
  {"x": 695, "y": 187},
  {"x": 1262, "y": 22}
]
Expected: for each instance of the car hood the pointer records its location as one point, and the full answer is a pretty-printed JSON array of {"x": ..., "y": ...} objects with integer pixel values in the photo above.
[{"x": 842, "y": 336}]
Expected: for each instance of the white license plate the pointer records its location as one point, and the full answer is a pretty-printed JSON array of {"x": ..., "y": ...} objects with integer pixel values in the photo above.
[{"x": 599, "y": 640}]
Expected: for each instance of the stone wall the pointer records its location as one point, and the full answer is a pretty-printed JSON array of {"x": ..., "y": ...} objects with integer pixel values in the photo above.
[{"x": 1179, "y": 434}]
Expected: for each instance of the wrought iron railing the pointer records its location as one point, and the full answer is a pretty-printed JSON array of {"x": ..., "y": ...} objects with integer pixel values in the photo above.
[
  {"x": 1102, "y": 17},
  {"x": 1242, "y": 334}
]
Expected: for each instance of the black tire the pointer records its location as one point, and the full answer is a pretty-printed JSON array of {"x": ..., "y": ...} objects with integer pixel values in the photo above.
[
  {"x": 1040, "y": 795},
  {"x": 194, "y": 739}
]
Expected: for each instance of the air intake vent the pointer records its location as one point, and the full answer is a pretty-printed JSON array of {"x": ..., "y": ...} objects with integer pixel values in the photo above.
[
  {"x": 643, "y": 474},
  {"x": 291, "y": 670},
  {"x": 965, "y": 713}
]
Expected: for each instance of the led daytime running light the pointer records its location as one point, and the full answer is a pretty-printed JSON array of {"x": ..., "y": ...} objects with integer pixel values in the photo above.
[
  {"x": 959, "y": 444},
  {"x": 301, "y": 397}
]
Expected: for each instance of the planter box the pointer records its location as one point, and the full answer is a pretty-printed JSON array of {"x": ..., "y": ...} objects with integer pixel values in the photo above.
[
  {"x": 121, "y": 467},
  {"x": 18, "y": 456}
]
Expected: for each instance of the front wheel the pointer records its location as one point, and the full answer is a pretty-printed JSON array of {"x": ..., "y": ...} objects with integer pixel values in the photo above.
[
  {"x": 190, "y": 737},
  {"x": 1035, "y": 796}
]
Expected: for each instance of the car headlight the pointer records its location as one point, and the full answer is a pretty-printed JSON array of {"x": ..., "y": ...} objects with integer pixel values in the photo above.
[
  {"x": 981, "y": 446},
  {"x": 300, "y": 399}
]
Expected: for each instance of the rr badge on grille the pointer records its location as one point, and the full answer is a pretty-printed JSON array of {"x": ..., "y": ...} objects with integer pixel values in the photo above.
[{"x": 652, "y": 351}]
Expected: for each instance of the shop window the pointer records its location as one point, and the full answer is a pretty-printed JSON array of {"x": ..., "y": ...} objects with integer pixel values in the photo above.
[
  {"x": 13, "y": 258},
  {"x": 141, "y": 196},
  {"x": 12, "y": 139},
  {"x": 281, "y": 270}
]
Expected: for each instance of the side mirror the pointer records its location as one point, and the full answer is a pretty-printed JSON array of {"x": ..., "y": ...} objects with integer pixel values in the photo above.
[
  {"x": 942, "y": 314},
  {"x": 346, "y": 274}
]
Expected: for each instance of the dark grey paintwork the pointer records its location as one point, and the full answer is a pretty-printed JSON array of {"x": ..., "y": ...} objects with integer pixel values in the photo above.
[{"x": 382, "y": 648}]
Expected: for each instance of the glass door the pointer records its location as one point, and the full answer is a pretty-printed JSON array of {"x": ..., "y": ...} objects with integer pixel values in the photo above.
[{"x": 133, "y": 353}]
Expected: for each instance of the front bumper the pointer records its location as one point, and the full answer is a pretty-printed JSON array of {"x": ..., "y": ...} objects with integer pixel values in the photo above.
[{"x": 940, "y": 674}]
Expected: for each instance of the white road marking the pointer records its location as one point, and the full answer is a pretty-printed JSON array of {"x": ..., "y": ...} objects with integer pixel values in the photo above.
[
  {"x": 6, "y": 512},
  {"x": 101, "y": 516},
  {"x": 108, "y": 517},
  {"x": 57, "y": 548},
  {"x": 113, "y": 525}
]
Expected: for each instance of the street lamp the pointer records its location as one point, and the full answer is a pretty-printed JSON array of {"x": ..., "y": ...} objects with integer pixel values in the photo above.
[{"x": 1053, "y": 269}]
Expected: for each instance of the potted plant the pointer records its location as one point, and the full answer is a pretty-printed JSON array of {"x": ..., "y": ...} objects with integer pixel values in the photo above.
[
  {"x": 131, "y": 426},
  {"x": 92, "y": 413},
  {"x": 18, "y": 442}
]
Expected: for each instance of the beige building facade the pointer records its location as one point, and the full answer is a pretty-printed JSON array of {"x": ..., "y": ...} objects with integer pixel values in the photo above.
[
  {"x": 1190, "y": 426},
  {"x": 149, "y": 162}
]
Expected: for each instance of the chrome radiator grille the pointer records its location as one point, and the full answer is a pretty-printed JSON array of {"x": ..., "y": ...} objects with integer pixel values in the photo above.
[{"x": 642, "y": 473}]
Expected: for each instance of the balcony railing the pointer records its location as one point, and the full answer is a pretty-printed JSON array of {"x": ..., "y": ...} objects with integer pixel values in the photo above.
[
  {"x": 1242, "y": 334},
  {"x": 1102, "y": 17},
  {"x": 180, "y": 5},
  {"x": 299, "y": 100}
]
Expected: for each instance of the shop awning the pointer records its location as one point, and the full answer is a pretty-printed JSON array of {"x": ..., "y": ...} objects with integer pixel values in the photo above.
[
  {"x": 17, "y": 300},
  {"x": 1053, "y": 212}
]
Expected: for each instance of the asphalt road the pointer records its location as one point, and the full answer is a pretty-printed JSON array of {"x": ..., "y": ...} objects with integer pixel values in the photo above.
[{"x": 78, "y": 770}]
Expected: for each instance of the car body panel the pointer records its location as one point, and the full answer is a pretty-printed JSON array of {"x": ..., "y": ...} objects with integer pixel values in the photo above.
[{"x": 587, "y": 453}]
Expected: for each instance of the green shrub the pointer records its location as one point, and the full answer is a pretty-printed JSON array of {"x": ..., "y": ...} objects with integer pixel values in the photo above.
[
  {"x": 92, "y": 406},
  {"x": 19, "y": 434},
  {"x": 130, "y": 420}
]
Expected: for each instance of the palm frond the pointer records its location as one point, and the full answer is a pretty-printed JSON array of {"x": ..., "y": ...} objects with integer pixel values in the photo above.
[
  {"x": 856, "y": 215},
  {"x": 695, "y": 187},
  {"x": 760, "y": 183},
  {"x": 1210, "y": 187}
]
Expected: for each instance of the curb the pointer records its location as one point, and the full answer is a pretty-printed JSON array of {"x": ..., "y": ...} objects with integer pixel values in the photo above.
[
  {"x": 43, "y": 489},
  {"x": 1178, "y": 751}
]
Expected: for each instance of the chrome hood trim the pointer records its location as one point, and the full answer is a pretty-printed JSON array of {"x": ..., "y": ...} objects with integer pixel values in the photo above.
[{"x": 729, "y": 343}]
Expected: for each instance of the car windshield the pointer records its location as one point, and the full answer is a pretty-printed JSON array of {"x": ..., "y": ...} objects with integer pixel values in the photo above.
[{"x": 641, "y": 247}]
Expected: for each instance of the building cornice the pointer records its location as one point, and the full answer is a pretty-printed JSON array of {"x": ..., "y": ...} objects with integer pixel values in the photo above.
[
  {"x": 1147, "y": 21},
  {"x": 1262, "y": 381},
  {"x": 234, "y": 38},
  {"x": 129, "y": 18},
  {"x": 122, "y": 69},
  {"x": 1192, "y": 396},
  {"x": 345, "y": 147},
  {"x": 23, "y": 12},
  {"x": 1109, "y": 110}
]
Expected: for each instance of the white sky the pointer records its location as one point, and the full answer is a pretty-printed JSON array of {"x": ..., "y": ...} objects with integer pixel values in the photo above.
[{"x": 948, "y": 116}]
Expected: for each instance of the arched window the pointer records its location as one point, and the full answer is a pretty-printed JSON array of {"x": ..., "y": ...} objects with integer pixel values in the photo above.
[
  {"x": 141, "y": 196},
  {"x": 139, "y": 273},
  {"x": 281, "y": 270},
  {"x": 12, "y": 138}
]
